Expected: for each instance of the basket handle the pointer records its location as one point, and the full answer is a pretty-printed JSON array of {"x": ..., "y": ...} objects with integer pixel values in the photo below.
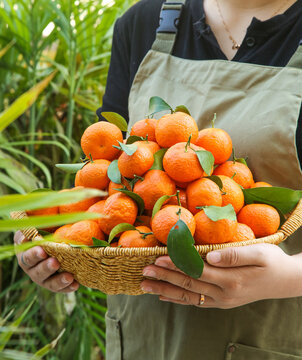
[
  {"x": 30, "y": 232},
  {"x": 294, "y": 221}
]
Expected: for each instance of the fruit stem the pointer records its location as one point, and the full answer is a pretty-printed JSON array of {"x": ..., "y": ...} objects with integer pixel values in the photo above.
[
  {"x": 188, "y": 143},
  {"x": 179, "y": 213},
  {"x": 90, "y": 156},
  {"x": 145, "y": 234},
  {"x": 233, "y": 175},
  {"x": 213, "y": 120},
  {"x": 178, "y": 198}
]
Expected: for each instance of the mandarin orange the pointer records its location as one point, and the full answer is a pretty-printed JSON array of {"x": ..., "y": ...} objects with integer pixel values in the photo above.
[
  {"x": 136, "y": 238},
  {"x": 98, "y": 139},
  {"x": 243, "y": 233},
  {"x": 155, "y": 184},
  {"x": 79, "y": 206},
  {"x": 203, "y": 192},
  {"x": 167, "y": 217},
  {"x": 144, "y": 128},
  {"x": 237, "y": 171},
  {"x": 232, "y": 193},
  {"x": 174, "y": 128},
  {"x": 93, "y": 175}
]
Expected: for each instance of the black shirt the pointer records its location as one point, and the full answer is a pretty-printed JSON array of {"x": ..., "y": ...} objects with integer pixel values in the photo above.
[{"x": 271, "y": 42}]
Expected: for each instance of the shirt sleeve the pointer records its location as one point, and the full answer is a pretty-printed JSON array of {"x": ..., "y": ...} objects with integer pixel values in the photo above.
[{"x": 118, "y": 81}]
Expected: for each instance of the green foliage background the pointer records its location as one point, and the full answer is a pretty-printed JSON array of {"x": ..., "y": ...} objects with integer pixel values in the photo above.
[{"x": 72, "y": 41}]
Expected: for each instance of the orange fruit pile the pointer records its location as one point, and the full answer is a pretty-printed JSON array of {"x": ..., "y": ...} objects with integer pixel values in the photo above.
[{"x": 143, "y": 177}]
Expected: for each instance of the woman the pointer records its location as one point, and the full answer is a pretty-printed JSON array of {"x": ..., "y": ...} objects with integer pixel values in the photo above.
[{"x": 247, "y": 303}]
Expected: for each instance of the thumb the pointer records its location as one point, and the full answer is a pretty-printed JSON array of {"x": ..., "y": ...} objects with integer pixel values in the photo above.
[{"x": 238, "y": 256}]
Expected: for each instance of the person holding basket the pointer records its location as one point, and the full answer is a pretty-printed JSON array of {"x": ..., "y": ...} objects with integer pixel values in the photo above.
[{"x": 243, "y": 61}]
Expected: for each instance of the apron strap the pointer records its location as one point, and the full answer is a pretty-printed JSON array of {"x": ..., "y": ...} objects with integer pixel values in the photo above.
[
  {"x": 296, "y": 59},
  {"x": 168, "y": 26}
]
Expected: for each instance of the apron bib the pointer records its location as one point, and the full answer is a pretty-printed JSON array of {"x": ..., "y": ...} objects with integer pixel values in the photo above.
[{"x": 259, "y": 107}]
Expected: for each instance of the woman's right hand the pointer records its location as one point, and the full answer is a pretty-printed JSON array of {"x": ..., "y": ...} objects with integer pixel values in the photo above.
[{"x": 42, "y": 269}]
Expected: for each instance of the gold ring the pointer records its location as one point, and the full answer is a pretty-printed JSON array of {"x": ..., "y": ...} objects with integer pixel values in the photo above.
[{"x": 201, "y": 300}]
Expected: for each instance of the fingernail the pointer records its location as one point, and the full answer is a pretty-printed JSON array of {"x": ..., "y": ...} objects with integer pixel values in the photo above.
[
  {"x": 40, "y": 255},
  {"x": 149, "y": 273},
  {"x": 161, "y": 263},
  {"x": 65, "y": 280},
  {"x": 146, "y": 288},
  {"x": 214, "y": 257},
  {"x": 73, "y": 287},
  {"x": 52, "y": 266}
]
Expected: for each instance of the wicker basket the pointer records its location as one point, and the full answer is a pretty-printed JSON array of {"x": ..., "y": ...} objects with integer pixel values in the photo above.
[{"x": 119, "y": 270}]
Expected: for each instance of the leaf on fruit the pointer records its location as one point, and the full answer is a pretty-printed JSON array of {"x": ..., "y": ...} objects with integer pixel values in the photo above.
[
  {"x": 183, "y": 109},
  {"x": 116, "y": 119},
  {"x": 128, "y": 149},
  {"x": 119, "y": 229},
  {"x": 158, "y": 159},
  {"x": 216, "y": 180},
  {"x": 133, "y": 138},
  {"x": 159, "y": 203},
  {"x": 182, "y": 251},
  {"x": 206, "y": 160},
  {"x": 157, "y": 104},
  {"x": 216, "y": 213},
  {"x": 113, "y": 172},
  {"x": 136, "y": 198},
  {"x": 283, "y": 199},
  {"x": 242, "y": 161},
  {"x": 98, "y": 242},
  {"x": 70, "y": 168}
]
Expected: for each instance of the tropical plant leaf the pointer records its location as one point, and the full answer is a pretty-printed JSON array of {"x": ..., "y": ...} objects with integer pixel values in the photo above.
[
  {"x": 41, "y": 200},
  {"x": 23, "y": 103},
  {"x": 113, "y": 172},
  {"x": 183, "y": 109},
  {"x": 182, "y": 251},
  {"x": 116, "y": 119},
  {"x": 283, "y": 199},
  {"x": 157, "y": 104},
  {"x": 47, "y": 348},
  {"x": 119, "y": 229},
  {"x": 158, "y": 159},
  {"x": 216, "y": 213},
  {"x": 136, "y": 198},
  {"x": 206, "y": 160},
  {"x": 159, "y": 203},
  {"x": 70, "y": 168},
  {"x": 6, "y": 48}
]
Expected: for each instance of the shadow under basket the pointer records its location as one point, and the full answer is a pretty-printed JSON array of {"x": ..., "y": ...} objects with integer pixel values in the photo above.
[{"x": 119, "y": 270}]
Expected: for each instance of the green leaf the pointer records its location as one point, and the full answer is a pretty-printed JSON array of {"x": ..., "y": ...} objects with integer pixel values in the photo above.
[
  {"x": 70, "y": 168},
  {"x": 44, "y": 199},
  {"x": 47, "y": 348},
  {"x": 116, "y": 119},
  {"x": 136, "y": 198},
  {"x": 98, "y": 242},
  {"x": 283, "y": 199},
  {"x": 46, "y": 221},
  {"x": 118, "y": 229},
  {"x": 159, "y": 203},
  {"x": 9, "y": 182},
  {"x": 182, "y": 251},
  {"x": 23, "y": 103},
  {"x": 128, "y": 149},
  {"x": 216, "y": 213},
  {"x": 183, "y": 109},
  {"x": 133, "y": 138},
  {"x": 6, "y": 48},
  {"x": 216, "y": 180},
  {"x": 113, "y": 172},
  {"x": 41, "y": 190},
  {"x": 157, "y": 104},
  {"x": 206, "y": 160},
  {"x": 242, "y": 161},
  {"x": 158, "y": 159}
]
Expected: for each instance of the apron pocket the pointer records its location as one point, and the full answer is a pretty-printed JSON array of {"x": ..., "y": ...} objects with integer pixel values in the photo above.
[
  {"x": 243, "y": 352},
  {"x": 113, "y": 339}
]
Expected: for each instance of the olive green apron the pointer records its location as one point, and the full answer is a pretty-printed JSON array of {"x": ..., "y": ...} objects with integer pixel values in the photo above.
[{"x": 259, "y": 107}]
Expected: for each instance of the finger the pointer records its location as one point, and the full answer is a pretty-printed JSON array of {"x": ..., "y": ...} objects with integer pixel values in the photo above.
[
  {"x": 182, "y": 280},
  {"x": 73, "y": 287},
  {"x": 171, "y": 291},
  {"x": 210, "y": 274},
  {"x": 43, "y": 270},
  {"x": 31, "y": 257},
  {"x": 19, "y": 238},
  {"x": 239, "y": 256},
  {"x": 209, "y": 302},
  {"x": 59, "y": 282}
]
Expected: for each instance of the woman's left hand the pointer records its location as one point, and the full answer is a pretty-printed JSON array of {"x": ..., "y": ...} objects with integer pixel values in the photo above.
[{"x": 231, "y": 277}]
